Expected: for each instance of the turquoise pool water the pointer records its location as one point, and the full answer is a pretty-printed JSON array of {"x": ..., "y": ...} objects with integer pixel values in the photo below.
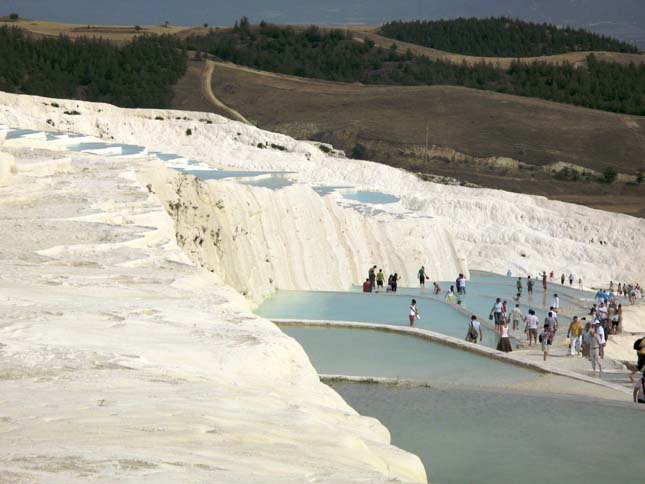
[
  {"x": 271, "y": 182},
  {"x": 369, "y": 308},
  {"x": 358, "y": 352},
  {"x": 467, "y": 435},
  {"x": 125, "y": 149},
  {"x": 220, "y": 174},
  {"x": 326, "y": 190},
  {"x": 371, "y": 197}
]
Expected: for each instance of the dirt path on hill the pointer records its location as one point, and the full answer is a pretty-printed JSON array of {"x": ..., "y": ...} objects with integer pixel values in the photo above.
[{"x": 207, "y": 92}]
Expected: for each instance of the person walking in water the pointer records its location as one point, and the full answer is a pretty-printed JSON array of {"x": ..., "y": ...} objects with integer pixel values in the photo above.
[
  {"x": 594, "y": 348},
  {"x": 516, "y": 316},
  {"x": 461, "y": 285},
  {"x": 380, "y": 278},
  {"x": 474, "y": 330},
  {"x": 496, "y": 313},
  {"x": 414, "y": 312},
  {"x": 531, "y": 328},
  {"x": 436, "y": 288},
  {"x": 575, "y": 336},
  {"x": 504, "y": 342},
  {"x": 422, "y": 276},
  {"x": 544, "y": 280},
  {"x": 529, "y": 286},
  {"x": 450, "y": 294},
  {"x": 518, "y": 285},
  {"x": 371, "y": 275}
]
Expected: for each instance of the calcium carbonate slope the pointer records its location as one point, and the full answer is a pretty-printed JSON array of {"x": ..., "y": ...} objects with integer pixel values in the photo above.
[
  {"x": 122, "y": 361},
  {"x": 492, "y": 230}
]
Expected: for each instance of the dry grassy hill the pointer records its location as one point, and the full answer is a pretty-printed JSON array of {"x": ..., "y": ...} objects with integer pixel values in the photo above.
[{"x": 486, "y": 138}]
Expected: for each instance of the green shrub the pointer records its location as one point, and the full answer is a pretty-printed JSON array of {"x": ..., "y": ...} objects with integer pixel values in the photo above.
[
  {"x": 609, "y": 175},
  {"x": 189, "y": 132},
  {"x": 359, "y": 152}
]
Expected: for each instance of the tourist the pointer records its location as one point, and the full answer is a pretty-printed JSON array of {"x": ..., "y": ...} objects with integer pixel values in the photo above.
[
  {"x": 551, "y": 275},
  {"x": 414, "y": 312},
  {"x": 422, "y": 276},
  {"x": 586, "y": 338},
  {"x": 371, "y": 275},
  {"x": 545, "y": 341},
  {"x": 380, "y": 277},
  {"x": 518, "y": 285},
  {"x": 395, "y": 282},
  {"x": 575, "y": 336},
  {"x": 509, "y": 273},
  {"x": 496, "y": 313},
  {"x": 571, "y": 278},
  {"x": 450, "y": 294},
  {"x": 594, "y": 348},
  {"x": 517, "y": 297},
  {"x": 366, "y": 286},
  {"x": 556, "y": 302},
  {"x": 544, "y": 281},
  {"x": 461, "y": 285},
  {"x": 516, "y": 316},
  {"x": 639, "y": 347},
  {"x": 639, "y": 390},
  {"x": 600, "y": 333},
  {"x": 580, "y": 283},
  {"x": 617, "y": 319},
  {"x": 529, "y": 285},
  {"x": 504, "y": 343},
  {"x": 551, "y": 321},
  {"x": 531, "y": 326},
  {"x": 389, "y": 283},
  {"x": 562, "y": 277},
  {"x": 474, "y": 330},
  {"x": 436, "y": 288}
]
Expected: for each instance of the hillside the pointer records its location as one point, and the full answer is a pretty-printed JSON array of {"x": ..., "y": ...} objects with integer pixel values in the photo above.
[
  {"x": 474, "y": 136},
  {"x": 335, "y": 55},
  {"x": 501, "y": 37}
]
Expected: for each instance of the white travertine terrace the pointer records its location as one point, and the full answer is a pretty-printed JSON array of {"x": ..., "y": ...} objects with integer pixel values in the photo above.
[{"x": 128, "y": 356}]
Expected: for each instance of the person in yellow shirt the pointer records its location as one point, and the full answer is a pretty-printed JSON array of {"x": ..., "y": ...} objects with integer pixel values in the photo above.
[{"x": 575, "y": 336}]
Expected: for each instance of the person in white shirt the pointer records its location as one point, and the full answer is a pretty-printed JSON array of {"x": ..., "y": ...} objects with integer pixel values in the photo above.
[
  {"x": 531, "y": 328},
  {"x": 414, "y": 312},
  {"x": 516, "y": 316},
  {"x": 556, "y": 302},
  {"x": 600, "y": 332},
  {"x": 602, "y": 312},
  {"x": 474, "y": 330}
]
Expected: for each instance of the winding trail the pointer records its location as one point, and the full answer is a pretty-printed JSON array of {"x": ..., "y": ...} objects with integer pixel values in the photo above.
[{"x": 207, "y": 91}]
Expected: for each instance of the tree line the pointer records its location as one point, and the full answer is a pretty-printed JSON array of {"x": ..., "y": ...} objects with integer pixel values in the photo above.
[
  {"x": 334, "y": 55},
  {"x": 138, "y": 74},
  {"x": 500, "y": 37}
]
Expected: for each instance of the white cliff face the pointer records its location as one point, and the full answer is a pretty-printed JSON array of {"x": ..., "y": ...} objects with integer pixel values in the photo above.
[
  {"x": 492, "y": 230},
  {"x": 259, "y": 240},
  {"x": 121, "y": 360}
]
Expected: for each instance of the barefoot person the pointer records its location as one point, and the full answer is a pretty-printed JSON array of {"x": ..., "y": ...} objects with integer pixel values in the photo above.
[
  {"x": 594, "y": 348},
  {"x": 474, "y": 330},
  {"x": 639, "y": 347},
  {"x": 575, "y": 336},
  {"x": 639, "y": 389},
  {"x": 531, "y": 328},
  {"x": 545, "y": 341},
  {"x": 504, "y": 342},
  {"x": 422, "y": 276},
  {"x": 414, "y": 312}
]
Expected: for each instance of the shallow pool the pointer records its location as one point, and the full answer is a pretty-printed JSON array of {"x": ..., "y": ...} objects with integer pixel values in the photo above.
[
  {"x": 271, "y": 182},
  {"x": 381, "y": 307},
  {"x": 220, "y": 174},
  {"x": 467, "y": 435},
  {"x": 363, "y": 352},
  {"x": 375, "y": 198}
]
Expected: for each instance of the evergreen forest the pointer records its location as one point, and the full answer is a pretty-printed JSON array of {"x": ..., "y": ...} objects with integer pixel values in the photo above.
[
  {"x": 138, "y": 74},
  {"x": 500, "y": 37}
]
